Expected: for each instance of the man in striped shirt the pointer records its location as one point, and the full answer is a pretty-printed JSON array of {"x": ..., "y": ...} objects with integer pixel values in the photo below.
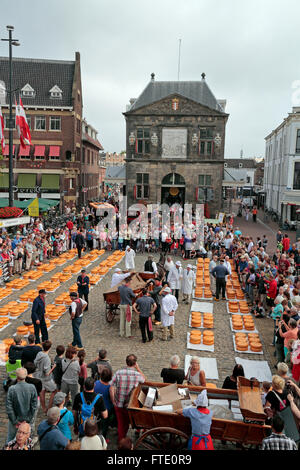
[
  {"x": 121, "y": 386},
  {"x": 278, "y": 440}
]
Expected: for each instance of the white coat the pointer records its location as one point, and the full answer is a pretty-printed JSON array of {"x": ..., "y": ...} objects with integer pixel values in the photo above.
[
  {"x": 188, "y": 281},
  {"x": 129, "y": 259},
  {"x": 174, "y": 278},
  {"x": 117, "y": 278},
  {"x": 168, "y": 304}
]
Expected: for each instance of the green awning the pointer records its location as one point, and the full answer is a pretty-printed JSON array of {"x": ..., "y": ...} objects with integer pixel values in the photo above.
[
  {"x": 4, "y": 180},
  {"x": 50, "y": 182},
  {"x": 26, "y": 180}
]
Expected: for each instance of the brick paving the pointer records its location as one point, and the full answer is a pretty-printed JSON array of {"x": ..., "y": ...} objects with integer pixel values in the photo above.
[{"x": 97, "y": 333}]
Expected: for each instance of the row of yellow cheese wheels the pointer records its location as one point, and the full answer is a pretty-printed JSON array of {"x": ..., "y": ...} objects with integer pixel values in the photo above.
[
  {"x": 206, "y": 337},
  {"x": 241, "y": 306},
  {"x": 196, "y": 320},
  {"x": 52, "y": 311},
  {"x": 244, "y": 341},
  {"x": 240, "y": 322}
]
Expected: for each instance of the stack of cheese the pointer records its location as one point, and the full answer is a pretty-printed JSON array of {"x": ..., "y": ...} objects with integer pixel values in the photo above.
[{"x": 243, "y": 342}]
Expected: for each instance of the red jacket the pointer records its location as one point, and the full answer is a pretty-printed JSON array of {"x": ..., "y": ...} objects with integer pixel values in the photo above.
[
  {"x": 286, "y": 244},
  {"x": 272, "y": 290}
]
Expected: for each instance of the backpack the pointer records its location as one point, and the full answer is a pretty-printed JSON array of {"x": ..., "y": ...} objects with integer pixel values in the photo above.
[{"x": 87, "y": 411}]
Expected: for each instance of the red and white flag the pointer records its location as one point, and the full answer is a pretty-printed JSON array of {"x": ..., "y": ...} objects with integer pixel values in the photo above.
[
  {"x": 22, "y": 125},
  {"x": 2, "y": 139}
]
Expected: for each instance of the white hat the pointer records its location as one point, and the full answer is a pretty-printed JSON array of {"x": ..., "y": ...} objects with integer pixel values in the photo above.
[
  {"x": 167, "y": 290},
  {"x": 202, "y": 399},
  {"x": 190, "y": 266},
  {"x": 178, "y": 263},
  {"x": 118, "y": 270}
]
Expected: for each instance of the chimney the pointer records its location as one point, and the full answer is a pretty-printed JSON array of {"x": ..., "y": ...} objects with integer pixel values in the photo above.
[
  {"x": 203, "y": 75},
  {"x": 152, "y": 77}
]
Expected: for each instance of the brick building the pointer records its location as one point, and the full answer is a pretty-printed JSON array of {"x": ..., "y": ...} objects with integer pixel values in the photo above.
[
  {"x": 90, "y": 164},
  {"x": 175, "y": 135},
  {"x": 52, "y": 97}
]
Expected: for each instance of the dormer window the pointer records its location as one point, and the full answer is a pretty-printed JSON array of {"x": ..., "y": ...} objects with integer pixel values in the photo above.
[
  {"x": 27, "y": 91},
  {"x": 55, "y": 92}
]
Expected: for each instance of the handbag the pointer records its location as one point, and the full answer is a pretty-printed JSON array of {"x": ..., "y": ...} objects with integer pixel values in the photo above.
[{"x": 290, "y": 426}]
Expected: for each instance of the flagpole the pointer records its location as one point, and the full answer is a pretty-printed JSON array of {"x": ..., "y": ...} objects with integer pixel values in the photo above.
[{"x": 11, "y": 42}]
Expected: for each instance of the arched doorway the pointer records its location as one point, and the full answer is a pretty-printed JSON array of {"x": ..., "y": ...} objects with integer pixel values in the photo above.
[{"x": 173, "y": 189}]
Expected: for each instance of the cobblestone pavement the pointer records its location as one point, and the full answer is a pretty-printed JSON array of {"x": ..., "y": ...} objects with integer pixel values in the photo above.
[{"x": 97, "y": 333}]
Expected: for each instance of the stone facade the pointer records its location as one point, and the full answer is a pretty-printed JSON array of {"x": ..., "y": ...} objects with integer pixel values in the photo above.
[{"x": 192, "y": 117}]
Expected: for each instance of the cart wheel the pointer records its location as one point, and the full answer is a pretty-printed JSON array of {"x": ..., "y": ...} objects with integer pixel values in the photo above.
[
  {"x": 162, "y": 439},
  {"x": 109, "y": 312}
]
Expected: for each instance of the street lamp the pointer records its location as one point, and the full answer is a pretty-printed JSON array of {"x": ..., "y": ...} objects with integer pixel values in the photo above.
[{"x": 11, "y": 42}]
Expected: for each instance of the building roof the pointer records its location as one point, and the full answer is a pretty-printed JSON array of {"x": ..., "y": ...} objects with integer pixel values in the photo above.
[
  {"x": 196, "y": 91},
  {"x": 235, "y": 162},
  {"x": 115, "y": 172},
  {"x": 42, "y": 75},
  {"x": 94, "y": 142}
]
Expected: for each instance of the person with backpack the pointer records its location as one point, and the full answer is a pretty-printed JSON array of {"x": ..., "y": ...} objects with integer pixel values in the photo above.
[
  {"x": 76, "y": 312},
  {"x": 99, "y": 364},
  {"x": 88, "y": 404},
  {"x": 66, "y": 416}
]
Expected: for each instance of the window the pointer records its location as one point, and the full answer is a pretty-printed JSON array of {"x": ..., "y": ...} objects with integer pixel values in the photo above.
[
  {"x": 296, "y": 176},
  {"x": 298, "y": 141},
  {"x": 143, "y": 140},
  {"x": 204, "y": 180},
  {"x": 55, "y": 92},
  {"x": 142, "y": 187},
  {"x": 55, "y": 123},
  {"x": 71, "y": 183},
  {"x": 78, "y": 126},
  {"x": 27, "y": 91},
  {"x": 83, "y": 155},
  {"x": 29, "y": 121},
  {"x": 206, "y": 141},
  {"x": 40, "y": 123}
]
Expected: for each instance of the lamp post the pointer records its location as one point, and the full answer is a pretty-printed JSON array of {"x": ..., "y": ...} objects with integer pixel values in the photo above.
[{"x": 11, "y": 42}]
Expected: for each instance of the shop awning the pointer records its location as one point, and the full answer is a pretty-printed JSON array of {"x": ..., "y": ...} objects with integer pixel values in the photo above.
[
  {"x": 54, "y": 151},
  {"x": 24, "y": 152},
  {"x": 4, "y": 180},
  {"x": 50, "y": 182},
  {"x": 39, "y": 151},
  {"x": 26, "y": 180},
  {"x": 6, "y": 150}
]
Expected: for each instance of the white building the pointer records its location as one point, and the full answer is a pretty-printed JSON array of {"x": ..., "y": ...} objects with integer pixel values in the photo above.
[{"x": 282, "y": 167}]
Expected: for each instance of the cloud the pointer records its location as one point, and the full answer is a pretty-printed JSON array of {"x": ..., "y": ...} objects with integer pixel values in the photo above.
[{"x": 248, "y": 51}]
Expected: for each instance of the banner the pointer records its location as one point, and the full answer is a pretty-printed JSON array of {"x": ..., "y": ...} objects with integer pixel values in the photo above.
[{"x": 33, "y": 208}]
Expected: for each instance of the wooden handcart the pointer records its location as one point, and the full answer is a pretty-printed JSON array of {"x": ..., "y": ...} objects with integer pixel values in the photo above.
[
  {"x": 112, "y": 296},
  {"x": 171, "y": 431}
]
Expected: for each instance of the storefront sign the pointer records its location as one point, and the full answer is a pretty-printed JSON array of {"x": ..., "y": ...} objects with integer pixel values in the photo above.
[{"x": 14, "y": 221}]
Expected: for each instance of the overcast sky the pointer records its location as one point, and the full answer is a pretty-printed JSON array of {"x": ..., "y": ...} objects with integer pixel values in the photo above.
[{"x": 249, "y": 51}]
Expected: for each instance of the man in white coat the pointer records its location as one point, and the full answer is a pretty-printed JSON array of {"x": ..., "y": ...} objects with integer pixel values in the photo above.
[
  {"x": 169, "y": 306},
  {"x": 174, "y": 279},
  {"x": 118, "y": 277},
  {"x": 188, "y": 279},
  {"x": 129, "y": 258}
]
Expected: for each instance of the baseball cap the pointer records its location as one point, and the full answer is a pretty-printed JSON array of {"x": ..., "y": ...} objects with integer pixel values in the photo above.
[{"x": 59, "y": 398}]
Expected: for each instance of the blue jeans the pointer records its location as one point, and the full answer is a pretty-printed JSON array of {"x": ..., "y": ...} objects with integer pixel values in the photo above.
[{"x": 76, "y": 322}]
